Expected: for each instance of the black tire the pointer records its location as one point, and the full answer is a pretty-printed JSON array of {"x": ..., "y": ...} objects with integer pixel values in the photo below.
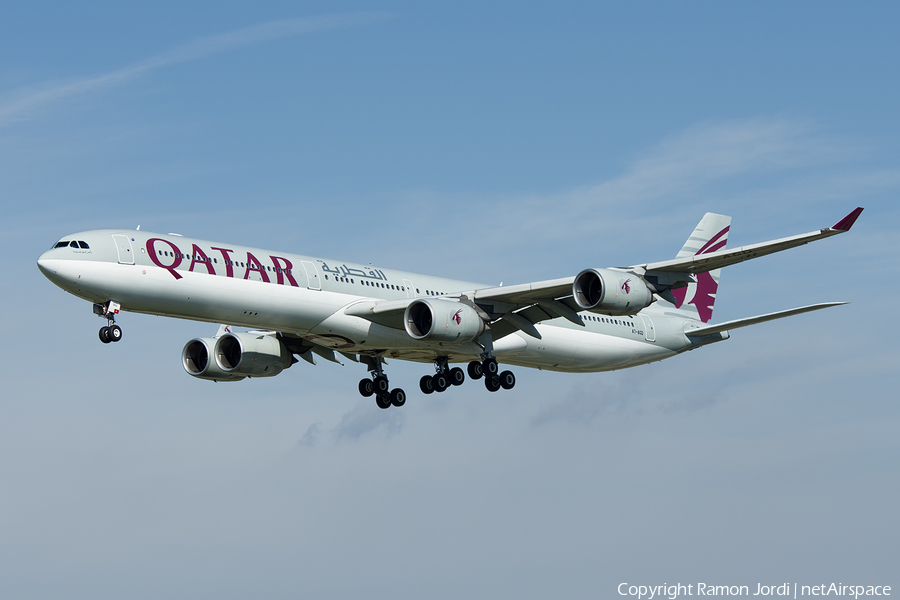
[
  {"x": 507, "y": 380},
  {"x": 104, "y": 334},
  {"x": 114, "y": 333},
  {"x": 398, "y": 397},
  {"x": 366, "y": 387},
  {"x": 457, "y": 377},
  {"x": 475, "y": 370},
  {"x": 492, "y": 383},
  {"x": 383, "y": 400},
  {"x": 425, "y": 385},
  {"x": 490, "y": 367},
  {"x": 381, "y": 385},
  {"x": 439, "y": 383}
]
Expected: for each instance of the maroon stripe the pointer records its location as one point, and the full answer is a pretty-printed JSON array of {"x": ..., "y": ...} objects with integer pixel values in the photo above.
[
  {"x": 718, "y": 246},
  {"x": 713, "y": 240}
]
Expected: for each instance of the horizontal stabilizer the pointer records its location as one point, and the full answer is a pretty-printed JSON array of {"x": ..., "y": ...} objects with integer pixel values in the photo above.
[{"x": 729, "y": 325}]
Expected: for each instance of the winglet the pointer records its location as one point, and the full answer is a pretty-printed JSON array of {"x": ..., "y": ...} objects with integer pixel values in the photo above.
[{"x": 847, "y": 222}]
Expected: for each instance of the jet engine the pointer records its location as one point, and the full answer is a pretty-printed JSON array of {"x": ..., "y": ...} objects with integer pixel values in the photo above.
[
  {"x": 446, "y": 321},
  {"x": 611, "y": 292},
  {"x": 251, "y": 355},
  {"x": 197, "y": 358}
]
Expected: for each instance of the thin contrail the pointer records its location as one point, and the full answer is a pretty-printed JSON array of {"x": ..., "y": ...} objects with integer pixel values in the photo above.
[{"x": 17, "y": 104}]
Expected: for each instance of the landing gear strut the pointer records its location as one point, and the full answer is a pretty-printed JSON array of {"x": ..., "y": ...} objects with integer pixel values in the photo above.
[
  {"x": 379, "y": 386},
  {"x": 489, "y": 369},
  {"x": 443, "y": 378},
  {"x": 110, "y": 332}
]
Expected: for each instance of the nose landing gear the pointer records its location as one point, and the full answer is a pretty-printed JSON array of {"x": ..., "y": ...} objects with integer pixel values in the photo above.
[{"x": 110, "y": 332}]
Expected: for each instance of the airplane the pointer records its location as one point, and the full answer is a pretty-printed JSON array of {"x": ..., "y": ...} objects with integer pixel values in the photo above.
[{"x": 600, "y": 319}]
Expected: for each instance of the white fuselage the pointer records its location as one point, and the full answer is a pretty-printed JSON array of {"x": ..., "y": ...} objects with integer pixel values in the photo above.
[{"x": 174, "y": 276}]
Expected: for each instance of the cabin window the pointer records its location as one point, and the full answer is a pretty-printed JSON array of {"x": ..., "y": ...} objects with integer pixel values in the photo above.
[{"x": 61, "y": 244}]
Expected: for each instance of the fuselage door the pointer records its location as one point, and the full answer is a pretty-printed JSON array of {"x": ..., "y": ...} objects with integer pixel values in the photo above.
[
  {"x": 649, "y": 331},
  {"x": 123, "y": 247},
  {"x": 312, "y": 276},
  {"x": 410, "y": 292}
]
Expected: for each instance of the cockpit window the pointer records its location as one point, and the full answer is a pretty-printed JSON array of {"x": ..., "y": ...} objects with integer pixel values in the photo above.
[
  {"x": 61, "y": 244},
  {"x": 73, "y": 244},
  {"x": 83, "y": 245}
]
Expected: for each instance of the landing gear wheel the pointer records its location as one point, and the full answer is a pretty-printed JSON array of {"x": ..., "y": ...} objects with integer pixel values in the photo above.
[
  {"x": 115, "y": 333},
  {"x": 425, "y": 385},
  {"x": 398, "y": 397},
  {"x": 507, "y": 380},
  {"x": 104, "y": 335},
  {"x": 439, "y": 383},
  {"x": 492, "y": 383},
  {"x": 366, "y": 387},
  {"x": 457, "y": 377},
  {"x": 383, "y": 401},
  {"x": 490, "y": 366},
  {"x": 476, "y": 370},
  {"x": 381, "y": 384}
]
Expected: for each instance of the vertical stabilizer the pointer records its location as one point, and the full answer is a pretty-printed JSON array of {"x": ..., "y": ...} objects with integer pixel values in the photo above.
[{"x": 710, "y": 235}]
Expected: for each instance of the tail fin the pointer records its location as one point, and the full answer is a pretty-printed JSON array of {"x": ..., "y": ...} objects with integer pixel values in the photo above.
[{"x": 711, "y": 234}]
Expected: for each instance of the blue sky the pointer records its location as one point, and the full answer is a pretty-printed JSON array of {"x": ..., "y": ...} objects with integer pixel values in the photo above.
[{"x": 492, "y": 143}]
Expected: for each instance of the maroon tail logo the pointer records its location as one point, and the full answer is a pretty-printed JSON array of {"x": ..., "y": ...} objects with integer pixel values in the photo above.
[
  {"x": 626, "y": 287},
  {"x": 456, "y": 317},
  {"x": 706, "y": 287}
]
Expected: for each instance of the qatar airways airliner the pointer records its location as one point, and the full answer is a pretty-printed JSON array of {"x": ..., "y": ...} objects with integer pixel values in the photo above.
[{"x": 600, "y": 319}]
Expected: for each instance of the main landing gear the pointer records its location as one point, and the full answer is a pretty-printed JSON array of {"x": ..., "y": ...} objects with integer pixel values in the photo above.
[
  {"x": 378, "y": 385},
  {"x": 110, "y": 332},
  {"x": 493, "y": 381},
  {"x": 443, "y": 378}
]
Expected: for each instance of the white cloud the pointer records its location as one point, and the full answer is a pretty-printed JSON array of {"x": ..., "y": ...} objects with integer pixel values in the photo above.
[{"x": 19, "y": 104}]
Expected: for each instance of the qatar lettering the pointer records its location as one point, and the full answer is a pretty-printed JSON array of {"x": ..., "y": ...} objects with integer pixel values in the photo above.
[{"x": 165, "y": 254}]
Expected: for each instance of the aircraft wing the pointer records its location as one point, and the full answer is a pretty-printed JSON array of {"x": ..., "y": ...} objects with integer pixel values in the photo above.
[
  {"x": 737, "y": 323},
  {"x": 703, "y": 263},
  {"x": 518, "y": 307}
]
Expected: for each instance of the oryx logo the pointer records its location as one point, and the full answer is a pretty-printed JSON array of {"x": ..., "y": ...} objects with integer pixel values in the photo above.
[
  {"x": 626, "y": 287},
  {"x": 456, "y": 317}
]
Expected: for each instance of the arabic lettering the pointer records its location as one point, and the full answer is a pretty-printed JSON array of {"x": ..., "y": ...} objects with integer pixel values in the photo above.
[{"x": 345, "y": 271}]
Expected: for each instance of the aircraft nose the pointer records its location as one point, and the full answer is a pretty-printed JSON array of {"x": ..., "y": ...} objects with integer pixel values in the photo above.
[{"x": 43, "y": 263}]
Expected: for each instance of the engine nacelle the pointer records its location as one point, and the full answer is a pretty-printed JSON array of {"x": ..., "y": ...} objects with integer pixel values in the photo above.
[
  {"x": 611, "y": 292},
  {"x": 251, "y": 355},
  {"x": 446, "y": 321},
  {"x": 197, "y": 359}
]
